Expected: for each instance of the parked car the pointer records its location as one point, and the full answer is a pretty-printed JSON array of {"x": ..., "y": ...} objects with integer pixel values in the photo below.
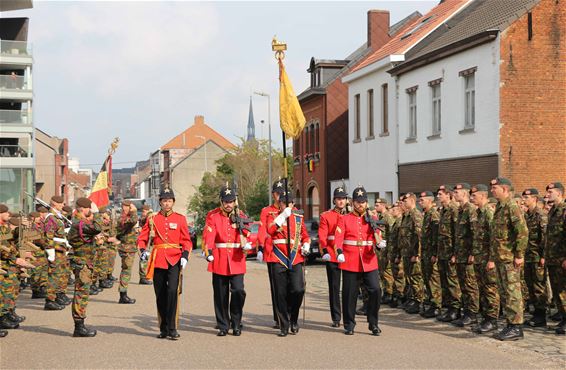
[
  {"x": 312, "y": 229},
  {"x": 254, "y": 228}
]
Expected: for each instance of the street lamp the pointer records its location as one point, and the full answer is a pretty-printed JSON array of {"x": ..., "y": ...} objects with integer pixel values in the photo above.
[
  {"x": 205, "y": 157},
  {"x": 261, "y": 93}
]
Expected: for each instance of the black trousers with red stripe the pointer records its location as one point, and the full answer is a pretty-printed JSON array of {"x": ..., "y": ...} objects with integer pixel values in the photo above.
[
  {"x": 350, "y": 288},
  {"x": 165, "y": 285}
]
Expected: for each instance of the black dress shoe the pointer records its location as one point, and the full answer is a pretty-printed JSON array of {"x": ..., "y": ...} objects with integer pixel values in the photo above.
[
  {"x": 145, "y": 282},
  {"x": 222, "y": 333},
  {"x": 294, "y": 328},
  {"x": 237, "y": 332},
  {"x": 349, "y": 332},
  {"x": 375, "y": 331},
  {"x": 162, "y": 335},
  {"x": 336, "y": 324},
  {"x": 173, "y": 334},
  {"x": 276, "y": 326},
  {"x": 283, "y": 333}
]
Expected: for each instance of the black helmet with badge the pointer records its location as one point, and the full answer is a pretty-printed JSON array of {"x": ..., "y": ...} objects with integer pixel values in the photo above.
[
  {"x": 360, "y": 194},
  {"x": 227, "y": 193},
  {"x": 166, "y": 193},
  {"x": 278, "y": 186},
  {"x": 340, "y": 192}
]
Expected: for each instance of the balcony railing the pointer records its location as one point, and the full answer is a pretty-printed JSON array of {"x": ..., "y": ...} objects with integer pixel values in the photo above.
[
  {"x": 13, "y": 151},
  {"x": 15, "y": 47},
  {"x": 12, "y": 82},
  {"x": 14, "y": 116}
]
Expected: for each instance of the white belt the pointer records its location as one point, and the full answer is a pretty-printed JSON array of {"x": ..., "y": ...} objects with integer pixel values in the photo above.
[
  {"x": 282, "y": 241},
  {"x": 227, "y": 245},
  {"x": 358, "y": 243},
  {"x": 60, "y": 240},
  {"x": 330, "y": 237}
]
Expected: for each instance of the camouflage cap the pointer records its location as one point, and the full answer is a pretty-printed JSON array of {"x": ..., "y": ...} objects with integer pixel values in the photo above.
[
  {"x": 83, "y": 202},
  {"x": 3, "y": 208},
  {"x": 425, "y": 194},
  {"x": 462, "y": 185},
  {"x": 360, "y": 194},
  {"x": 530, "y": 191},
  {"x": 555, "y": 185},
  {"x": 57, "y": 199},
  {"x": 501, "y": 181},
  {"x": 478, "y": 188}
]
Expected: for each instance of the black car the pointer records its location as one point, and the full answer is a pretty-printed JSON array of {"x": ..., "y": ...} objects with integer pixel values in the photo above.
[{"x": 312, "y": 229}]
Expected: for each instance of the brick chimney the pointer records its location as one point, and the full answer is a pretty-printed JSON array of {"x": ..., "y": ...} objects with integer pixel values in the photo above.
[
  {"x": 199, "y": 120},
  {"x": 378, "y": 28}
]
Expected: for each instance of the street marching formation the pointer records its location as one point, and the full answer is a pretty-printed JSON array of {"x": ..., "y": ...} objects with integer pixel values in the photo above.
[{"x": 457, "y": 255}]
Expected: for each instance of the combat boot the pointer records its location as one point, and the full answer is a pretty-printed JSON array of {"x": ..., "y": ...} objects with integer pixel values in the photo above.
[
  {"x": 106, "y": 284},
  {"x": 144, "y": 281},
  {"x": 62, "y": 299},
  {"x": 538, "y": 319},
  {"x": 13, "y": 316},
  {"x": 394, "y": 302},
  {"x": 93, "y": 290},
  {"x": 413, "y": 307},
  {"x": 81, "y": 330},
  {"x": 3, "y": 333},
  {"x": 37, "y": 294},
  {"x": 124, "y": 299},
  {"x": 431, "y": 312},
  {"x": 386, "y": 298},
  {"x": 449, "y": 315},
  {"x": 560, "y": 329},
  {"x": 6, "y": 323},
  {"x": 468, "y": 319},
  {"x": 52, "y": 306},
  {"x": 510, "y": 332},
  {"x": 487, "y": 325}
]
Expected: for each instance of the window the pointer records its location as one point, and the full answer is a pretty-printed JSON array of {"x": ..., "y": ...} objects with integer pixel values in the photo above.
[
  {"x": 384, "y": 109},
  {"x": 370, "y": 114},
  {"x": 412, "y": 96},
  {"x": 470, "y": 96},
  {"x": 357, "y": 134},
  {"x": 312, "y": 140},
  {"x": 317, "y": 138},
  {"x": 436, "y": 109}
]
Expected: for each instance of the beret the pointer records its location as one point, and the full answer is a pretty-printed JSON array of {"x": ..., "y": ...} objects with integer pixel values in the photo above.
[
  {"x": 462, "y": 185},
  {"x": 530, "y": 191},
  {"x": 501, "y": 181},
  {"x": 555, "y": 185},
  {"x": 58, "y": 199},
  {"x": 479, "y": 187},
  {"x": 83, "y": 202},
  {"x": 3, "y": 208},
  {"x": 425, "y": 194}
]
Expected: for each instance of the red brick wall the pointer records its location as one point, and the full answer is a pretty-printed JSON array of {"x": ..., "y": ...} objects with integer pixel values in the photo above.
[{"x": 533, "y": 98}]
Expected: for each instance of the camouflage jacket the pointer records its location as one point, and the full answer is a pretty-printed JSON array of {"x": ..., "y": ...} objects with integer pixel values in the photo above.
[
  {"x": 481, "y": 225},
  {"x": 463, "y": 234},
  {"x": 126, "y": 231},
  {"x": 81, "y": 237},
  {"x": 9, "y": 252},
  {"x": 410, "y": 233},
  {"x": 555, "y": 250},
  {"x": 536, "y": 223},
  {"x": 446, "y": 225},
  {"x": 55, "y": 229},
  {"x": 429, "y": 239},
  {"x": 509, "y": 233},
  {"x": 393, "y": 239}
]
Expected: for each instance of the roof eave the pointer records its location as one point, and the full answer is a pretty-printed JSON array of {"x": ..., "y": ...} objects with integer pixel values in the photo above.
[
  {"x": 448, "y": 50},
  {"x": 375, "y": 66}
]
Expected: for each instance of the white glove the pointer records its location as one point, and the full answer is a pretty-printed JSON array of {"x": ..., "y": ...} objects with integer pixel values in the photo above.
[
  {"x": 144, "y": 256},
  {"x": 326, "y": 257},
  {"x": 67, "y": 230},
  {"x": 341, "y": 258},
  {"x": 183, "y": 262},
  {"x": 280, "y": 220},
  {"x": 287, "y": 212},
  {"x": 382, "y": 244},
  {"x": 247, "y": 246},
  {"x": 50, "y": 255},
  {"x": 259, "y": 256},
  {"x": 305, "y": 249},
  {"x": 210, "y": 258}
]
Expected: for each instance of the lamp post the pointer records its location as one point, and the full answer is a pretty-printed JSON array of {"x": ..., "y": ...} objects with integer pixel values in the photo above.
[
  {"x": 205, "y": 156},
  {"x": 261, "y": 93}
]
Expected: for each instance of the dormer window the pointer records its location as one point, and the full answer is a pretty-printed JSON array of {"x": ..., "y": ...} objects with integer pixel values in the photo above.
[{"x": 316, "y": 77}]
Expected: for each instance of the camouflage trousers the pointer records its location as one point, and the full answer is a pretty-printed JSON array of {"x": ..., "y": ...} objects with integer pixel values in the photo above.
[
  {"x": 414, "y": 278},
  {"x": 83, "y": 280},
  {"x": 451, "y": 293},
  {"x": 126, "y": 273},
  {"x": 385, "y": 273},
  {"x": 112, "y": 253},
  {"x": 100, "y": 267},
  {"x": 510, "y": 279},
  {"x": 9, "y": 287},
  {"x": 431, "y": 277},
  {"x": 57, "y": 276},
  {"x": 38, "y": 277},
  {"x": 469, "y": 287},
  {"x": 558, "y": 285},
  {"x": 489, "y": 290},
  {"x": 535, "y": 281},
  {"x": 398, "y": 278},
  {"x": 143, "y": 269}
]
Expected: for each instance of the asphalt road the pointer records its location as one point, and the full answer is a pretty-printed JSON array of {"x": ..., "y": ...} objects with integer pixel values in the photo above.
[{"x": 126, "y": 335}]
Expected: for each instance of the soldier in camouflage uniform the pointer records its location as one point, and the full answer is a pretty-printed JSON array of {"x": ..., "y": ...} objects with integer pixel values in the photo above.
[
  {"x": 509, "y": 239},
  {"x": 100, "y": 267},
  {"x": 534, "y": 271},
  {"x": 429, "y": 245},
  {"x": 555, "y": 251},
  {"x": 127, "y": 235},
  {"x": 57, "y": 275},
  {"x": 112, "y": 250},
  {"x": 383, "y": 257},
  {"x": 145, "y": 213},
  {"x": 39, "y": 273},
  {"x": 410, "y": 246},
  {"x": 451, "y": 293},
  {"x": 394, "y": 256},
  {"x": 464, "y": 257},
  {"x": 487, "y": 280},
  {"x": 84, "y": 236}
]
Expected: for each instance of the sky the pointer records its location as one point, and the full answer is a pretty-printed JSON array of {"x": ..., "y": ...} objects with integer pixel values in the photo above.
[{"x": 141, "y": 71}]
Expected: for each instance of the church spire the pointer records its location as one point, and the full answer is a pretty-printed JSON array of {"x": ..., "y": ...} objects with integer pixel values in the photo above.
[{"x": 251, "y": 124}]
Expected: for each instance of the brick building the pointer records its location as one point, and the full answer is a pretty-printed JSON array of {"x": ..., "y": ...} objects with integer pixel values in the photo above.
[{"x": 51, "y": 167}]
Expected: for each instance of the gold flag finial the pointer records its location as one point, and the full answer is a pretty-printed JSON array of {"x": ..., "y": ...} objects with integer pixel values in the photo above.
[
  {"x": 279, "y": 48},
  {"x": 114, "y": 146}
]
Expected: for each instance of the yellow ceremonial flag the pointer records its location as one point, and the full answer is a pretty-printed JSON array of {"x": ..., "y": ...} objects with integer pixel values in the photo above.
[{"x": 290, "y": 112}]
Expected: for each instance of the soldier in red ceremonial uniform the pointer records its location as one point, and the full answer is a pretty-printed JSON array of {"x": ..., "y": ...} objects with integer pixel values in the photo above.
[
  {"x": 269, "y": 212},
  {"x": 170, "y": 254},
  {"x": 224, "y": 247},
  {"x": 326, "y": 236},
  {"x": 289, "y": 243},
  {"x": 355, "y": 241}
]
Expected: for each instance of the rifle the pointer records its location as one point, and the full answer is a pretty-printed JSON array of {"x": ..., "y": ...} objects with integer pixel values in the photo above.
[
  {"x": 242, "y": 223},
  {"x": 376, "y": 225},
  {"x": 68, "y": 223}
]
